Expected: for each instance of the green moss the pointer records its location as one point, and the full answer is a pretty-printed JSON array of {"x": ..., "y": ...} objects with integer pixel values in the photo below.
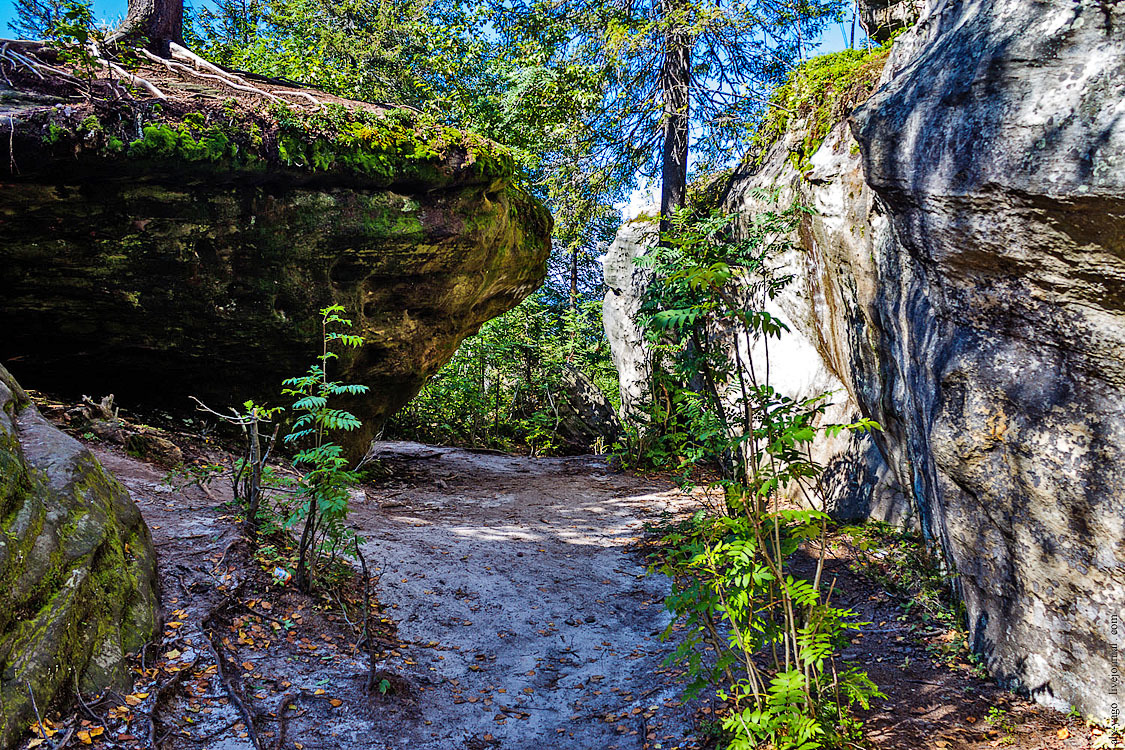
[
  {"x": 821, "y": 92},
  {"x": 51, "y": 626},
  {"x": 90, "y": 124},
  {"x": 162, "y": 141},
  {"x": 55, "y": 134},
  {"x": 385, "y": 145}
]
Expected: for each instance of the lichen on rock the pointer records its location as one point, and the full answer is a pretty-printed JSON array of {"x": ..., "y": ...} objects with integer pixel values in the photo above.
[{"x": 77, "y": 567}]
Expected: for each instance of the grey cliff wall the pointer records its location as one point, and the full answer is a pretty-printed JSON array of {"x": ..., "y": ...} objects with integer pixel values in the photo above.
[
  {"x": 993, "y": 349},
  {"x": 963, "y": 280}
]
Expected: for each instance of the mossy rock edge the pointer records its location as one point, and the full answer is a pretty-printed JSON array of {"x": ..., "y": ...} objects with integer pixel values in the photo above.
[{"x": 77, "y": 568}]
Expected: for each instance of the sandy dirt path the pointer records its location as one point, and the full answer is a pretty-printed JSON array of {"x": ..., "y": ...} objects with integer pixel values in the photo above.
[
  {"x": 535, "y": 625},
  {"x": 524, "y": 620}
]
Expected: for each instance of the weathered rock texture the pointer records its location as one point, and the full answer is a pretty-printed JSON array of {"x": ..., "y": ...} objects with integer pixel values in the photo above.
[
  {"x": 625, "y": 288},
  {"x": 963, "y": 278},
  {"x": 992, "y": 343},
  {"x": 193, "y": 259},
  {"x": 882, "y": 18},
  {"x": 586, "y": 419},
  {"x": 856, "y": 484},
  {"x": 77, "y": 568}
]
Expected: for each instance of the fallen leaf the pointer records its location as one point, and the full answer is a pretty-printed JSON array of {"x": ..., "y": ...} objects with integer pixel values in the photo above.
[
  {"x": 336, "y": 702},
  {"x": 1063, "y": 733}
]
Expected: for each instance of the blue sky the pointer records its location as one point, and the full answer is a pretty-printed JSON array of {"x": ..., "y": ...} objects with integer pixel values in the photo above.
[
  {"x": 106, "y": 10},
  {"x": 114, "y": 10}
]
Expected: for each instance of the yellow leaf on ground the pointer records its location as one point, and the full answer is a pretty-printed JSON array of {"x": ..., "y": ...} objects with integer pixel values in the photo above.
[
  {"x": 1063, "y": 733},
  {"x": 319, "y": 691},
  {"x": 336, "y": 702},
  {"x": 84, "y": 737}
]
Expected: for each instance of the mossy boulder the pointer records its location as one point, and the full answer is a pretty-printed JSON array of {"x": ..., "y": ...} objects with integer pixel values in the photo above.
[
  {"x": 77, "y": 567},
  {"x": 159, "y": 252}
]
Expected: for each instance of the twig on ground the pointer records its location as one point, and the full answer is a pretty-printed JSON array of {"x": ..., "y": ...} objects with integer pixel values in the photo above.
[
  {"x": 38, "y": 718},
  {"x": 217, "y": 732},
  {"x": 344, "y": 612},
  {"x": 371, "y": 652},
  {"x": 265, "y": 616},
  {"x": 78, "y": 695}
]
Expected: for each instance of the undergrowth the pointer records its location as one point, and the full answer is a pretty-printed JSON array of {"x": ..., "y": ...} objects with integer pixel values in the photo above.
[
  {"x": 765, "y": 638},
  {"x": 821, "y": 92},
  {"x": 899, "y": 561}
]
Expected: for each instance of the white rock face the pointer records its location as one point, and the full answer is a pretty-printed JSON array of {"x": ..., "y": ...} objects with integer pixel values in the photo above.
[
  {"x": 855, "y": 478},
  {"x": 620, "y": 308}
]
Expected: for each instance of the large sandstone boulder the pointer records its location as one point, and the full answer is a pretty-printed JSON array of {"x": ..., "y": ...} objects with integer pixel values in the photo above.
[
  {"x": 963, "y": 276},
  {"x": 625, "y": 288},
  {"x": 586, "y": 419},
  {"x": 992, "y": 344},
  {"x": 77, "y": 567},
  {"x": 188, "y": 255}
]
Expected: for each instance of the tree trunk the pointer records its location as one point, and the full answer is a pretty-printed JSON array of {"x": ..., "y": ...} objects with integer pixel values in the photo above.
[
  {"x": 160, "y": 22},
  {"x": 574, "y": 279},
  {"x": 675, "y": 84}
]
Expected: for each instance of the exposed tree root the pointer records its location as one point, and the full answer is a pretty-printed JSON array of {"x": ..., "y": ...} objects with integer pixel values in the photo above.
[
  {"x": 24, "y": 54},
  {"x": 163, "y": 690},
  {"x": 283, "y": 717},
  {"x": 372, "y": 652},
  {"x": 234, "y": 694}
]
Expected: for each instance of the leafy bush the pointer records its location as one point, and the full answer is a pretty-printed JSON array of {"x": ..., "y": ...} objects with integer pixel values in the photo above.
[
  {"x": 501, "y": 388},
  {"x": 771, "y": 634},
  {"x": 325, "y": 480}
]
